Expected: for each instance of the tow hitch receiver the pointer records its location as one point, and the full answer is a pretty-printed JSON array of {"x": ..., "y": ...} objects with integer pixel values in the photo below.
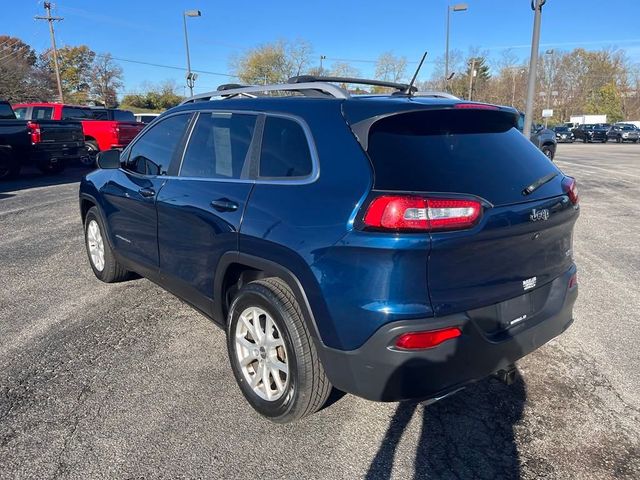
[{"x": 508, "y": 375}]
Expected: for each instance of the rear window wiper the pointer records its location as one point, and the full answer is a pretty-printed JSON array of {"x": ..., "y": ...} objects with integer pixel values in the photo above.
[{"x": 538, "y": 183}]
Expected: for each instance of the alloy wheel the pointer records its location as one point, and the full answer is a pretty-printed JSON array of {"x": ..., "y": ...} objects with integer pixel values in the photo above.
[
  {"x": 261, "y": 354},
  {"x": 95, "y": 245}
]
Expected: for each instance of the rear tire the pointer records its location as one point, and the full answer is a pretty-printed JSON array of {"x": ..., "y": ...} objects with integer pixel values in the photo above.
[
  {"x": 9, "y": 165},
  {"x": 92, "y": 152},
  {"x": 548, "y": 151},
  {"x": 101, "y": 258},
  {"x": 269, "y": 308}
]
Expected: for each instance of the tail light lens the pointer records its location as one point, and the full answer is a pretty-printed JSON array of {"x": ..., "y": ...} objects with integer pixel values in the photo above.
[
  {"x": 424, "y": 340},
  {"x": 421, "y": 214},
  {"x": 571, "y": 188},
  {"x": 34, "y": 132},
  {"x": 573, "y": 281},
  {"x": 116, "y": 133},
  {"x": 476, "y": 106}
]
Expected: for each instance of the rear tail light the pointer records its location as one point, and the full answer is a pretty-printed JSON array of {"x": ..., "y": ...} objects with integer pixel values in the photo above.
[
  {"x": 424, "y": 340},
  {"x": 34, "y": 132},
  {"x": 571, "y": 188},
  {"x": 423, "y": 214},
  {"x": 573, "y": 281},
  {"x": 116, "y": 133}
]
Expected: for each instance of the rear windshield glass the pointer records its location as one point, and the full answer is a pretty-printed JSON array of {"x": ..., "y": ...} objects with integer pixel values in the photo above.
[
  {"x": 123, "y": 116},
  {"x": 478, "y": 152},
  {"x": 6, "y": 113}
]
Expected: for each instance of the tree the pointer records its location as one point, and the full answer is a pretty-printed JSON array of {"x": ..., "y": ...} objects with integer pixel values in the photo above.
[
  {"x": 106, "y": 79},
  {"x": 156, "y": 97},
  {"x": 390, "y": 68},
  {"x": 606, "y": 100},
  {"x": 272, "y": 62},
  {"x": 22, "y": 77},
  {"x": 76, "y": 69}
]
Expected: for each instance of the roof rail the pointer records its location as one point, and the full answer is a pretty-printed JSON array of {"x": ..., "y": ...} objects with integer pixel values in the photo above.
[
  {"x": 434, "y": 93},
  {"x": 309, "y": 89},
  {"x": 404, "y": 87}
]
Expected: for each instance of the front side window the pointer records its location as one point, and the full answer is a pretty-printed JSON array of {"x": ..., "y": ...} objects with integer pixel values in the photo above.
[
  {"x": 285, "y": 150},
  {"x": 218, "y": 146},
  {"x": 154, "y": 152}
]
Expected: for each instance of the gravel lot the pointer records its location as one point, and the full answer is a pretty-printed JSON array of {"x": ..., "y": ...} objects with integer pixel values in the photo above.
[{"x": 124, "y": 381}]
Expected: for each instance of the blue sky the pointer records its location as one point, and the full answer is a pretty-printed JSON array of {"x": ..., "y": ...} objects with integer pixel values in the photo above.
[{"x": 358, "y": 31}]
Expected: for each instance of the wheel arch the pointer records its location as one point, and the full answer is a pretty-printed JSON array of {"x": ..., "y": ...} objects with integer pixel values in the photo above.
[{"x": 236, "y": 269}]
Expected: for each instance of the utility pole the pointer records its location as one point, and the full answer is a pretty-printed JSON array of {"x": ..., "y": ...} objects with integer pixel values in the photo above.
[
  {"x": 536, "y": 6},
  {"x": 472, "y": 74},
  {"x": 322, "y": 57},
  {"x": 50, "y": 19}
]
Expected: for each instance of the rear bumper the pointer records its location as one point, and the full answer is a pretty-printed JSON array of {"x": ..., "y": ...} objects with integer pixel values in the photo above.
[
  {"x": 378, "y": 371},
  {"x": 45, "y": 152}
]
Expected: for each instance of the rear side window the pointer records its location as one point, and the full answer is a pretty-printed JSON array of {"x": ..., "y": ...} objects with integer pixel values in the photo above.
[
  {"x": 154, "y": 152},
  {"x": 218, "y": 146},
  {"x": 71, "y": 113},
  {"x": 285, "y": 150},
  {"x": 478, "y": 152},
  {"x": 42, "y": 113}
]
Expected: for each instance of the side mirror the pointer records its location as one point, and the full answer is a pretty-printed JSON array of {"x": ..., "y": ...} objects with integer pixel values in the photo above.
[{"x": 108, "y": 159}]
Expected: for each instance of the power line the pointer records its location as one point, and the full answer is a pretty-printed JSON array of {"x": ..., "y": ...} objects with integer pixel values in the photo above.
[{"x": 172, "y": 67}]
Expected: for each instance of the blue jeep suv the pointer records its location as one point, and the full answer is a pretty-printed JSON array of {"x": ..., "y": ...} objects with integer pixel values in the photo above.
[{"x": 395, "y": 246}]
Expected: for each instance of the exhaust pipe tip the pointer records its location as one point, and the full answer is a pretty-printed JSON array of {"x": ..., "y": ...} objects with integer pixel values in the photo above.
[{"x": 508, "y": 375}]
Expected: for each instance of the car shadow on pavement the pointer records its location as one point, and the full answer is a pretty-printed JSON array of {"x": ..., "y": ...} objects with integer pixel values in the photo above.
[
  {"x": 468, "y": 435},
  {"x": 31, "y": 178}
]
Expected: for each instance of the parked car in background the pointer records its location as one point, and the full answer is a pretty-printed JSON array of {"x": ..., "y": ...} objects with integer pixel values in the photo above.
[
  {"x": 267, "y": 213},
  {"x": 591, "y": 133},
  {"x": 146, "y": 117},
  {"x": 99, "y": 135},
  {"x": 541, "y": 137},
  {"x": 623, "y": 132},
  {"x": 564, "y": 134},
  {"x": 46, "y": 143}
]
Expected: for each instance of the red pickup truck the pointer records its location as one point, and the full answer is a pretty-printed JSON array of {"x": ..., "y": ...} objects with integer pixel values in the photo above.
[{"x": 104, "y": 129}]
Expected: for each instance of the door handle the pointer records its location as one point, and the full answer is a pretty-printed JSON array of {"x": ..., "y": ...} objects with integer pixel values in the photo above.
[
  {"x": 224, "y": 205},
  {"x": 147, "y": 192}
]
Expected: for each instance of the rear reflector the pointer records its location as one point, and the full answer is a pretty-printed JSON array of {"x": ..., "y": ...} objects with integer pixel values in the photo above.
[
  {"x": 573, "y": 281},
  {"x": 423, "y": 340},
  {"x": 571, "y": 188},
  {"x": 390, "y": 212},
  {"x": 476, "y": 106}
]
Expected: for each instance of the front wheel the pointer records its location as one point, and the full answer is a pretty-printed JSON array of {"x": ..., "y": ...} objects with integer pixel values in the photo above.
[
  {"x": 101, "y": 258},
  {"x": 618, "y": 139},
  {"x": 272, "y": 354},
  {"x": 548, "y": 151}
]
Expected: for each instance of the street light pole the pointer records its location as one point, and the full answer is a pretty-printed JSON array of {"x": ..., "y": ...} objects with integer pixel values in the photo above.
[
  {"x": 191, "y": 77},
  {"x": 460, "y": 7},
  {"x": 550, "y": 53},
  {"x": 322, "y": 57},
  {"x": 536, "y": 5}
]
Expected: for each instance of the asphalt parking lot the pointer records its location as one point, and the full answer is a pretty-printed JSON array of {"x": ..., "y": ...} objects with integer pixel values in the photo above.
[{"x": 124, "y": 381}]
